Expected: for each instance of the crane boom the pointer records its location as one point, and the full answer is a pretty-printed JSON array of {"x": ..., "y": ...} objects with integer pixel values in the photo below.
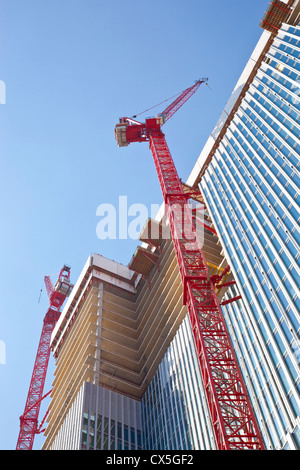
[
  {"x": 29, "y": 419},
  {"x": 232, "y": 417},
  {"x": 49, "y": 286},
  {"x": 185, "y": 95}
]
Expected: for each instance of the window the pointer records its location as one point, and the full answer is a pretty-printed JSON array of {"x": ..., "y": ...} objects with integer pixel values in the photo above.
[
  {"x": 284, "y": 380},
  {"x": 105, "y": 434},
  {"x": 279, "y": 67},
  {"x": 99, "y": 427}
]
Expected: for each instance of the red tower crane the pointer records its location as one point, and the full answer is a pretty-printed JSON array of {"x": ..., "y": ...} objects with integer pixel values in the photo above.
[
  {"x": 29, "y": 419},
  {"x": 232, "y": 417}
]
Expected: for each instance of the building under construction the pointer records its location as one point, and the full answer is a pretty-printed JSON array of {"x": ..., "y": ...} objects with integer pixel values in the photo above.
[
  {"x": 134, "y": 369},
  {"x": 114, "y": 333}
]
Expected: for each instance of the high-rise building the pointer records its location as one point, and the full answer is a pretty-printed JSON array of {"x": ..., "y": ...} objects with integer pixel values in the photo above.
[
  {"x": 248, "y": 174},
  {"x": 127, "y": 374},
  {"x": 115, "y": 357}
]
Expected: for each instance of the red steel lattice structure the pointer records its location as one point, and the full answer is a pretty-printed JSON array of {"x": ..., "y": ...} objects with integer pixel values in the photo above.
[
  {"x": 232, "y": 417},
  {"x": 29, "y": 419}
]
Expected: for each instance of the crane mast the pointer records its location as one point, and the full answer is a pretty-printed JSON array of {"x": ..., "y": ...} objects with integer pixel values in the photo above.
[
  {"x": 232, "y": 417},
  {"x": 29, "y": 419}
]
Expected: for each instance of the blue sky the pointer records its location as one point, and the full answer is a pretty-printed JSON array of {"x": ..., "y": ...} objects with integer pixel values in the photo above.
[{"x": 71, "y": 69}]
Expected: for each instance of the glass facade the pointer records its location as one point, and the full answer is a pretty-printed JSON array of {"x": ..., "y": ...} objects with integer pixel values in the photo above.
[
  {"x": 100, "y": 419},
  {"x": 104, "y": 433},
  {"x": 251, "y": 188},
  {"x": 110, "y": 421},
  {"x": 174, "y": 412}
]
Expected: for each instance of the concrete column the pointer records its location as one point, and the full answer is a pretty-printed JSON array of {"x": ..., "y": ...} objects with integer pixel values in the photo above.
[{"x": 98, "y": 334}]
